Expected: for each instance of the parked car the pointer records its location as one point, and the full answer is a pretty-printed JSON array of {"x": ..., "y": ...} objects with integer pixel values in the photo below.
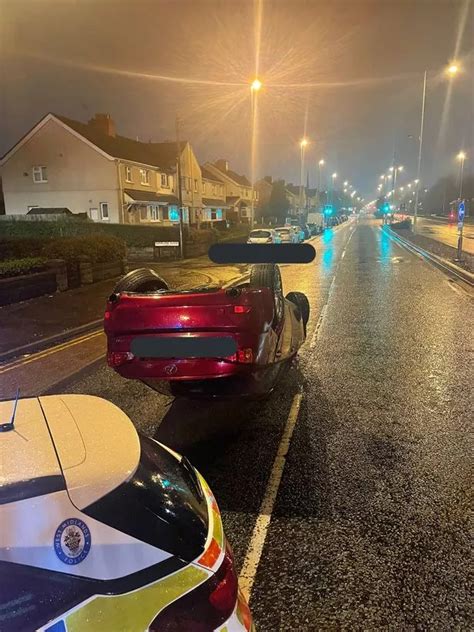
[
  {"x": 287, "y": 235},
  {"x": 265, "y": 328},
  {"x": 105, "y": 529},
  {"x": 300, "y": 235},
  {"x": 263, "y": 236},
  {"x": 316, "y": 229}
]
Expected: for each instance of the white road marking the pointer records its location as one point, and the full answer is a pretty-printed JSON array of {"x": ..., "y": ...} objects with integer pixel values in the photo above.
[
  {"x": 260, "y": 530},
  {"x": 317, "y": 329}
]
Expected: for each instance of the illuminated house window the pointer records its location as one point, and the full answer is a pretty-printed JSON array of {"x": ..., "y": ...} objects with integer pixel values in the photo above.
[
  {"x": 128, "y": 174},
  {"x": 173, "y": 214},
  {"x": 145, "y": 176}
]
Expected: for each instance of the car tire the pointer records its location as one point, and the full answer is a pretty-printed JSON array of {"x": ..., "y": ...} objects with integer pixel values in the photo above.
[
  {"x": 301, "y": 301},
  {"x": 141, "y": 280},
  {"x": 268, "y": 275}
]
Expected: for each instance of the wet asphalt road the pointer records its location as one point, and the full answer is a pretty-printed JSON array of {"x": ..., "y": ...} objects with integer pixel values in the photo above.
[{"x": 370, "y": 526}]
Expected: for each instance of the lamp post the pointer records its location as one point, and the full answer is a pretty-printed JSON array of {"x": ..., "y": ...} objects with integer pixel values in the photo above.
[
  {"x": 255, "y": 87},
  {"x": 452, "y": 71},
  {"x": 321, "y": 164},
  {"x": 461, "y": 157},
  {"x": 303, "y": 145},
  {"x": 333, "y": 178}
]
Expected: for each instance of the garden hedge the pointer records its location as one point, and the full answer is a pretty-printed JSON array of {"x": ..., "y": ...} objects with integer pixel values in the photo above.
[{"x": 16, "y": 267}]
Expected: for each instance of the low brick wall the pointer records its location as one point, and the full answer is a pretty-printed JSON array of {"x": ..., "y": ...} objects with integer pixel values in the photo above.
[
  {"x": 21, "y": 288},
  {"x": 109, "y": 270}
]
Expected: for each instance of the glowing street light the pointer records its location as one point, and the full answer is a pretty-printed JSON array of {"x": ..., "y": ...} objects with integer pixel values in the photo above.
[
  {"x": 256, "y": 85},
  {"x": 304, "y": 142},
  {"x": 461, "y": 157},
  {"x": 334, "y": 176},
  {"x": 453, "y": 69},
  {"x": 346, "y": 183}
]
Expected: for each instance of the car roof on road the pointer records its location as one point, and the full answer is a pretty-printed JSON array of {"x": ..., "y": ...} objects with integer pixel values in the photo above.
[{"x": 81, "y": 442}]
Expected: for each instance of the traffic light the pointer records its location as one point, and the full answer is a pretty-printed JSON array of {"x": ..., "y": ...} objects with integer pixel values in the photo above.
[
  {"x": 328, "y": 209},
  {"x": 386, "y": 207}
]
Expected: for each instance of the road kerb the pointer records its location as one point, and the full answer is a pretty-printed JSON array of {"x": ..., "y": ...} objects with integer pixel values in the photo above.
[{"x": 439, "y": 262}]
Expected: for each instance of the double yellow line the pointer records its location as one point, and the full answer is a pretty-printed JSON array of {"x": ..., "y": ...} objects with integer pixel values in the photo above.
[{"x": 47, "y": 352}]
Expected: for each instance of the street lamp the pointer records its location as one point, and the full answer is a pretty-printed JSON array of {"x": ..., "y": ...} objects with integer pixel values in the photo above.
[
  {"x": 452, "y": 71},
  {"x": 346, "y": 183},
  {"x": 255, "y": 87},
  {"x": 303, "y": 144},
  {"x": 461, "y": 157},
  {"x": 321, "y": 164}
]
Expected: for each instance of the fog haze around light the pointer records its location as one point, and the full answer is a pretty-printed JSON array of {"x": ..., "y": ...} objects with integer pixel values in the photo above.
[{"x": 345, "y": 75}]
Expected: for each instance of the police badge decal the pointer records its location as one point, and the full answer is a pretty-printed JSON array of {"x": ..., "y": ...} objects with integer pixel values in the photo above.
[{"x": 72, "y": 541}]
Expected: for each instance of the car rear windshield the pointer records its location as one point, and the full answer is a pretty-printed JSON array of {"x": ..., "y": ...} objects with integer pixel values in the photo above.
[
  {"x": 260, "y": 233},
  {"x": 158, "y": 504}
]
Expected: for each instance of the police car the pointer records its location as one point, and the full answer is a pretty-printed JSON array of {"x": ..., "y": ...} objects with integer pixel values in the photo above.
[{"x": 105, "y": 529}]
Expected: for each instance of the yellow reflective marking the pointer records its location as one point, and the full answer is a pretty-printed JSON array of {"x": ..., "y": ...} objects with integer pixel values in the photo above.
[
  {"x": 47, "y": 352},
  {"x": 135, "y": 610}
]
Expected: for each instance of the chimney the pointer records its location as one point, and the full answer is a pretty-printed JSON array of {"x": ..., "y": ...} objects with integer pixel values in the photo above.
[
  {"x": 103, "y": 123},
  {"x": 222, "y": 164}
]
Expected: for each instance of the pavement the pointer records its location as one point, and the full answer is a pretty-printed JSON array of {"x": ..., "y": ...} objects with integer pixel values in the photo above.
[
  {"x": 369, "y": 527},
  {"x": 57, "y": 315},
  {"x": 446, "y": 232}
]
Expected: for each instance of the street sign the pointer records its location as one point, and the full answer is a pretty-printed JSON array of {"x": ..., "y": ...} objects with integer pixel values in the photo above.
[
  {"x": 461, "y": 211},
  {"x": 167, "y": 244},
  {"x": 460, "y": 225}
]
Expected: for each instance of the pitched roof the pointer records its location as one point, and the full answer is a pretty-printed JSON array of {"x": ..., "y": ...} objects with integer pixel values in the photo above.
[
  {"x": 205, "y": 173},
  {"x": 162, "y": 155},
  {"x": 243, "y": 180}
]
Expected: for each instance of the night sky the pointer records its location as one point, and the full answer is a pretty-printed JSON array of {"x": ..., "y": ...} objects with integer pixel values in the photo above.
[{"x": 349, "y": 72}]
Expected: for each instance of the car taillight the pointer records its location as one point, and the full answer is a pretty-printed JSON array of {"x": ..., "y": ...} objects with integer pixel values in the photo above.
[
  {"x": 107, "y": 315},
  {"x": 117, "y": 358},
  {"x": 206, "y": 607},
  {"x": 224, "y": 595},
  {"x": 242, "y": 309},
  {"x": 245, "y": 356}
]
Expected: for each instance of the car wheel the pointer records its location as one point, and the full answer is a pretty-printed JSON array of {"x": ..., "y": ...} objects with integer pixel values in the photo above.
[
  {"x": 141, "y": 280},
  {"x": 268, "y": 275},
  {"x": 300, "y": 300}
]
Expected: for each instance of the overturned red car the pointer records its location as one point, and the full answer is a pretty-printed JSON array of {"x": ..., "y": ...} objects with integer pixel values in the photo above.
[{"x": 153, "y": 333}]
